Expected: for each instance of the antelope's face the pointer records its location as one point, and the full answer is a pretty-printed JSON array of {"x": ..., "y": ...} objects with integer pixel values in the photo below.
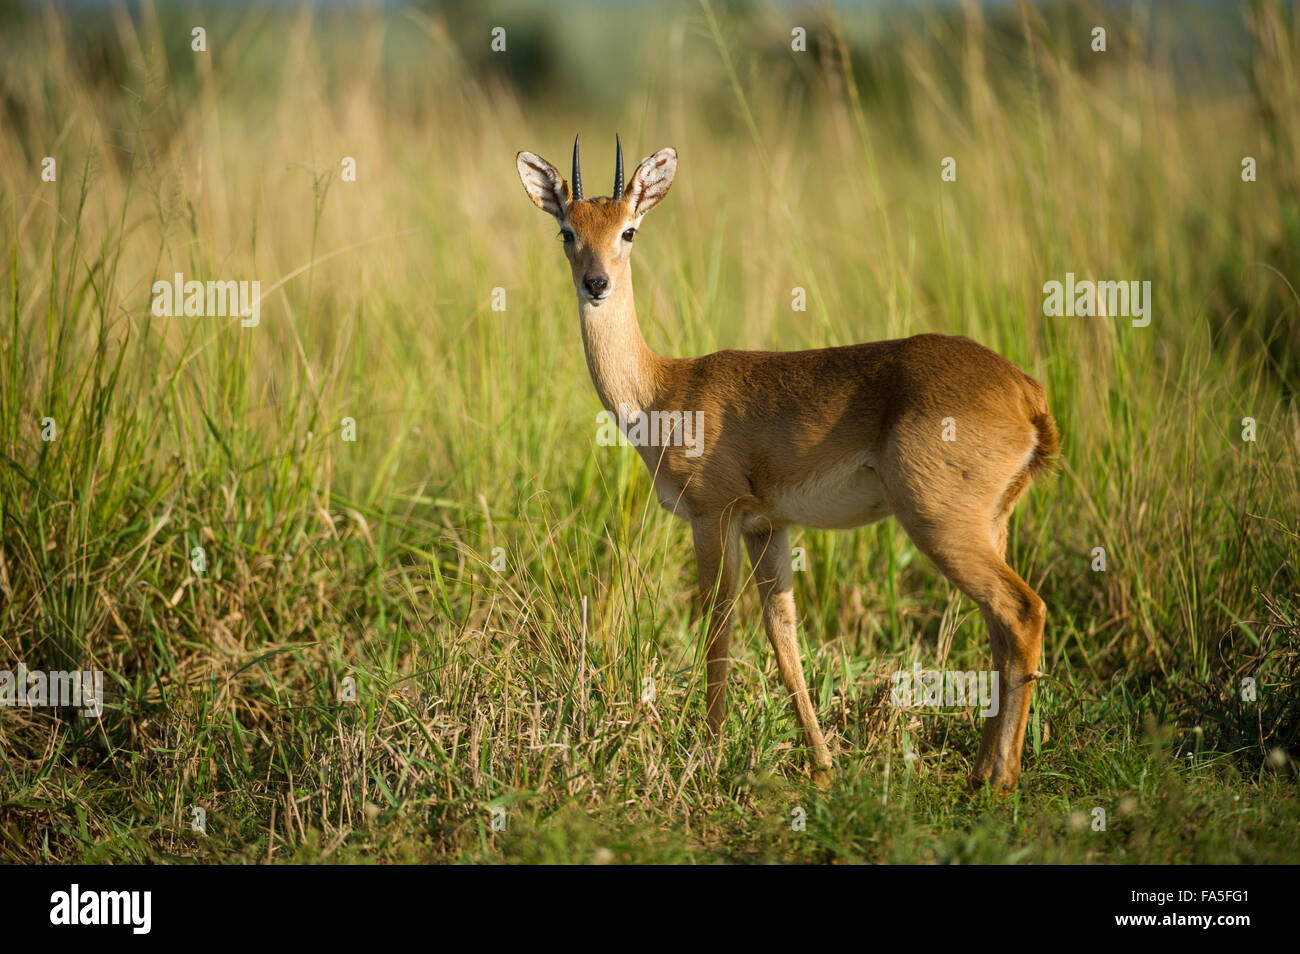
[
  {"x": 597, "y": 236},
  {"x": 598, "y": 233}
]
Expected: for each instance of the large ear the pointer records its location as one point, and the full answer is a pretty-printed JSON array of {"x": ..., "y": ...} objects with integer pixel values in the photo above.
[
  {"x": 651, "y": 180},
  {"x": 543, "y": 183}
]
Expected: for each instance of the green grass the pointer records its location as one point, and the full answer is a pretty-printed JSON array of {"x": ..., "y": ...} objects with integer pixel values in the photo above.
[{"x": 480, "y": 688}]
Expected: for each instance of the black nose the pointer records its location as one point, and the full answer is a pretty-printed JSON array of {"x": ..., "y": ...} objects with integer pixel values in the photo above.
[{"x": 596, "y": 285}]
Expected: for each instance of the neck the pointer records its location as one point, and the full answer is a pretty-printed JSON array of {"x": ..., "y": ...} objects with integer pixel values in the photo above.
[{"x": 622, "y": 366}]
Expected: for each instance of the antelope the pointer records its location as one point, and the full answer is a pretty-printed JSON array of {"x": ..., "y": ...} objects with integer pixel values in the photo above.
[{"x": 935, "y": 430}]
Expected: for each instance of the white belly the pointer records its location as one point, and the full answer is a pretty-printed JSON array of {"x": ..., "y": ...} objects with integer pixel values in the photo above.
[
  {"x": 846, "y": 496},
  {"x": 849, "y": 495}
]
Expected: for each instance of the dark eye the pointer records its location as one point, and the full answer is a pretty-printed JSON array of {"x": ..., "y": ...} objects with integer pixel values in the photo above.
[
  {"x": 627, "y": 236},
  {"x": 566, "y": 235}
]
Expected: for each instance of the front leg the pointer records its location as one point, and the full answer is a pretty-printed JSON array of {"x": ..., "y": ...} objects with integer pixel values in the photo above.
[
  {"x": 769, "y": 552},
  {"x": 717, "y": 560}
]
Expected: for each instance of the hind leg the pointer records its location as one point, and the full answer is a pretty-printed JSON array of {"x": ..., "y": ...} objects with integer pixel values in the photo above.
[
  {"x": 998, "y": 646},
  {"x": 966, "y": 553},
  {"x": 1018, "y": 621}
]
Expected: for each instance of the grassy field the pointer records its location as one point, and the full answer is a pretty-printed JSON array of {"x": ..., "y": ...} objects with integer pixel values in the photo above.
[{"x": 497, "y": 586}]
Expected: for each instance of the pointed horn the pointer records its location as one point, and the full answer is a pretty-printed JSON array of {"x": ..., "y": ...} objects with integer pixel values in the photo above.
[
  {"x": 618, "y": 169},
  {"x": 577, "y": 171}
]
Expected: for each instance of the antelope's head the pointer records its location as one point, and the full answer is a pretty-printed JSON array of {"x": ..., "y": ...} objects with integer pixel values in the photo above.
[{"x": 597, "y": 233}]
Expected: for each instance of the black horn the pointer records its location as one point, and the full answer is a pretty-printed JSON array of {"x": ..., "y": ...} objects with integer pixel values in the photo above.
[
  {"x": 577, "y": 171},
  {"x": 618, "y": 168}
]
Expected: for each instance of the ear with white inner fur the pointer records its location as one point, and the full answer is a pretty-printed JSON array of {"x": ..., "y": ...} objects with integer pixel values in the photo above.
[
  {"x": 543, "y": 183},
  {"x": 651, "y": 180}
]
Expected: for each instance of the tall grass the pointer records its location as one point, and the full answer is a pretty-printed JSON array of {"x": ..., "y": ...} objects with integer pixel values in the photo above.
[{"x": 373, "y": 560}]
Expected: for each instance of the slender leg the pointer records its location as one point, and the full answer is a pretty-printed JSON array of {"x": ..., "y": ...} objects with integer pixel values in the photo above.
[
  {"x": 1015, "y": 616},
  {"x": 992, "y": 724},
  {"x": 717, "y": 560},
  {"x": 1022, "y": 616},
  {"x": 769, "y": 552}
]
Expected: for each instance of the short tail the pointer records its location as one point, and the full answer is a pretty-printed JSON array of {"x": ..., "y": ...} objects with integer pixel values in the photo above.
[{"x": 1048, "y": 445}]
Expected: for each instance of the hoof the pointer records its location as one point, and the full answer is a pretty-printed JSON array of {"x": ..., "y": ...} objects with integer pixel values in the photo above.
[{"x": 1000, "y": 786}]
